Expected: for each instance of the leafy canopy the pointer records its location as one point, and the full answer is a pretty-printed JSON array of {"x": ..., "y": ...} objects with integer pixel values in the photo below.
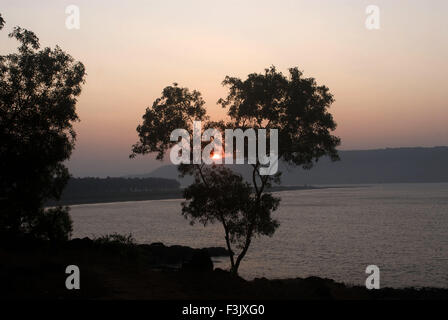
[
  {"x": 38, "y": 91},
  {"x": 294, "y": 105}
]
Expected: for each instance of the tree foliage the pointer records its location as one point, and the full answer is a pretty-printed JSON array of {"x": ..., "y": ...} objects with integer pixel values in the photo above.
[
  {"x": 176, "y": 108},
  {"x": 38, "y": 90},
  {"x": 223, "y": 196},
  {"x": 2, "y": 22},
  {"x": 294, "y": 105}
]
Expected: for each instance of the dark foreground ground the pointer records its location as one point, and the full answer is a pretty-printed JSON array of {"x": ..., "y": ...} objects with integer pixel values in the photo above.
[{"x": 116, "y": 270}]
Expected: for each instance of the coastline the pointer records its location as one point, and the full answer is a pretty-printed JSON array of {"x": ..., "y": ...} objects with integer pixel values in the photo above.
[
  {"x": 158, "y": 195},
  {"x": 112, "y": 270}
]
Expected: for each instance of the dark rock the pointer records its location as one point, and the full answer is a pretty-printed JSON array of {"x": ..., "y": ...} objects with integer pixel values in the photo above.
[
  {"x": 200, "y": 261},
  {"x": 157, "y": 244},
  {"x": 217, "y": 252},
  {"x": 78, "y": 243},
  {"x": 159, "y": 254}
]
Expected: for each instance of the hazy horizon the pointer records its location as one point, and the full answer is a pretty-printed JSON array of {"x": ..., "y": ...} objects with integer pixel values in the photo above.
[{"x": 389, "y": 84}]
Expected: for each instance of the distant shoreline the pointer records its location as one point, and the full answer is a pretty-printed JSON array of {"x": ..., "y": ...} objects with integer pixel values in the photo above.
[
  {"x": 121, "y": 197},
  {"x": 171, "y": 194},
  {"x": 159, "y": 195}
]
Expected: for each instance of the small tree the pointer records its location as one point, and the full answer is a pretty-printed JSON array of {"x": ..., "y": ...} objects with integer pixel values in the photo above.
[
  {"x": 38, "y": 90},
  {"x": 297, "y": 107},
  {"x": 220, "y": 195}
]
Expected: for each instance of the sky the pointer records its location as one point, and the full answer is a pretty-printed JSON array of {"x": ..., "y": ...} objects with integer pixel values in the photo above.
[{"x": 390, "y": 84}]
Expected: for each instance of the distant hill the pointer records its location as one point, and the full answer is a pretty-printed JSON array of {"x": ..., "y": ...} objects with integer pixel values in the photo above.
[
  {"x": 94, "y": 190},
  {"x": 391, "y": 165}
]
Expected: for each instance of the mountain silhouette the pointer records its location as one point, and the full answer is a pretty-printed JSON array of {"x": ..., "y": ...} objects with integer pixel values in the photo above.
[{"x": 390, "y": 165}]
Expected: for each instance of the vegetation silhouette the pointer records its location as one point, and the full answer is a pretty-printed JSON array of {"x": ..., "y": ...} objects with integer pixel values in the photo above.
[
  {"x": 109, "y": 185},
  {"x": 97, "y": 190},
  {"x": 296, "y": 106},
  {"x": 38, "y": 90}
]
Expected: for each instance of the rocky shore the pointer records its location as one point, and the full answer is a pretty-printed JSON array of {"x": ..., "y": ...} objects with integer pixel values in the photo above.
[{"x": 116, "y": 269}]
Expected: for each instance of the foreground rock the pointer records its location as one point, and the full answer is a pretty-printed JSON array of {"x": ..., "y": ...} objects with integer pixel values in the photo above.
[
  {"x": 123, "y": 271},
  {"x": 155, "y": 254},
  {"x": 199, "y": 262}
]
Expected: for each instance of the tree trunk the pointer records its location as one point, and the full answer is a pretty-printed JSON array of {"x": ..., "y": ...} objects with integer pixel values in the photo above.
[{"x": 229, "y": 247}]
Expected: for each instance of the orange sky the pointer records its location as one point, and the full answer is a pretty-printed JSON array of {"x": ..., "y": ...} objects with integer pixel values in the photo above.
[{"x": 390, "y": 85}]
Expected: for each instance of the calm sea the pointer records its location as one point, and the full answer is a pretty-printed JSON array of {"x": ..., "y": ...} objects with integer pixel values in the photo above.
[{"x": 334, "y": 233}]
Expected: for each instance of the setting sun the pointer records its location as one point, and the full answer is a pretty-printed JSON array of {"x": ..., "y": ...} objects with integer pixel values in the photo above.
[{"x": 216, "y": 156}]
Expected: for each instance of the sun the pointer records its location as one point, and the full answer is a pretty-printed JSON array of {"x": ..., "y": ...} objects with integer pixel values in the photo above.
[{"x": 216, "y": 156}]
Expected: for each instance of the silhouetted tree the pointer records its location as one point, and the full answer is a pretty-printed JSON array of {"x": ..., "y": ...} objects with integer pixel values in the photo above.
[
  {"x": 38, "y": 90},
  {"x": 296, "y": 106},
  {"x": 2, "y": 22},
  {"x": 177, "y": 108},
  {"x": 219, "y": 194}
]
